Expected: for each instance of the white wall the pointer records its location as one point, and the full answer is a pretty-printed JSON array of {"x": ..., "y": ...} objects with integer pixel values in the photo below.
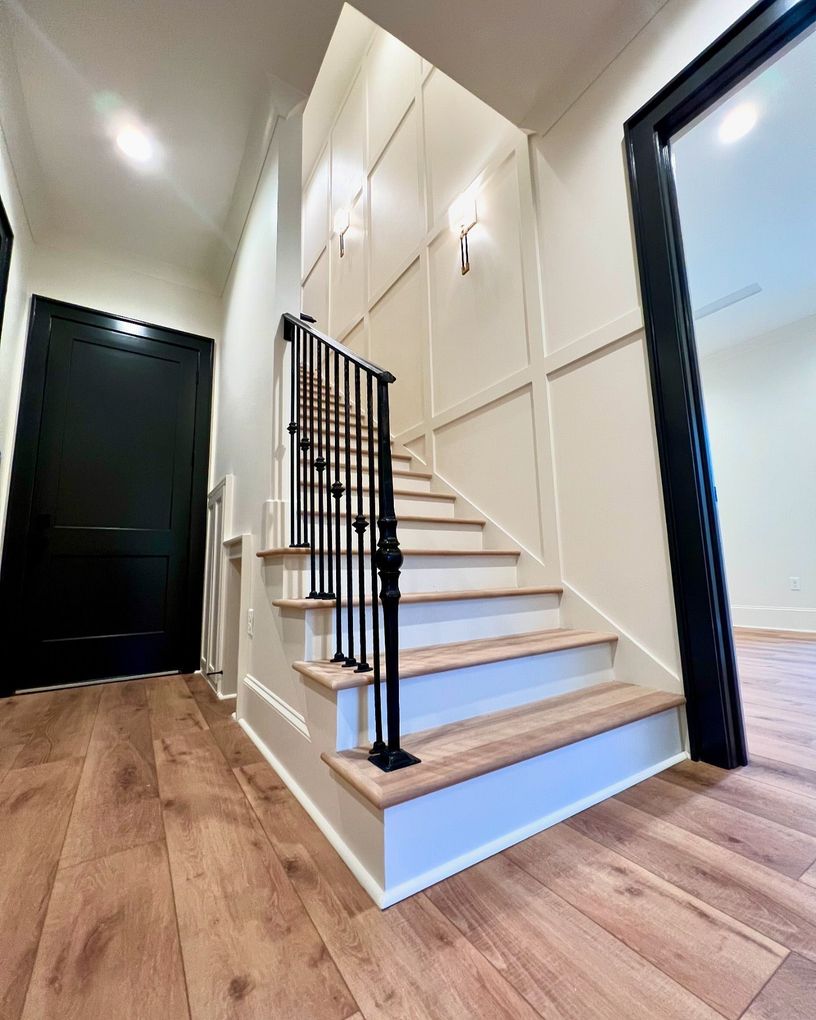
[
  {"x": 15, "y": 321},
  {"x": 759, "y": 400},
  {"x": 470, "y": 399},
  {"x": 262, "y": 285},
  {"x": 611, "y": 518}
]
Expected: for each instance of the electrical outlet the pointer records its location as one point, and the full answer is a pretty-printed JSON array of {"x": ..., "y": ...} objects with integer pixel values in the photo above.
[
  {"x": 795, "y": 584},
  {"x": 250, "y": 622}
]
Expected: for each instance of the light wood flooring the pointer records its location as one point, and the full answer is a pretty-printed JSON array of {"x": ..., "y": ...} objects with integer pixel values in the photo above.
[{"x": 153, "y": 866}]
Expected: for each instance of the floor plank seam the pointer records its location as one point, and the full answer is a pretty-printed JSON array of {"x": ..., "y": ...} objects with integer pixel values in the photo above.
[{"x": 59, "y": 856}]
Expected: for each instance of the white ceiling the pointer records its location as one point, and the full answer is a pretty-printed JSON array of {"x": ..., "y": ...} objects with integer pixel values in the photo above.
[
  {"x": 209, "y": 77},
  {"x": 748, "y": 208}
]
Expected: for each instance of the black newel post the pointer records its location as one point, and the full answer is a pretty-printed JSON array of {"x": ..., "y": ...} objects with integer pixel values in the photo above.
[{"x": 389, "y": 565}]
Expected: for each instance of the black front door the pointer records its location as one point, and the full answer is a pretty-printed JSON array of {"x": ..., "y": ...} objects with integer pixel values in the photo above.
[{"x": 103, "y": 551}]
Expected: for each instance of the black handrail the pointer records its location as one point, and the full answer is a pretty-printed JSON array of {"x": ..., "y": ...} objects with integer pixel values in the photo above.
[{"x": 324, "y": 487}]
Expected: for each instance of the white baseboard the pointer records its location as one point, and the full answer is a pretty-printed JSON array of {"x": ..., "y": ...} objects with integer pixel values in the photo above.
[
  {"x": 363, "y": 876},
  {"x": 773, "y": 618}
]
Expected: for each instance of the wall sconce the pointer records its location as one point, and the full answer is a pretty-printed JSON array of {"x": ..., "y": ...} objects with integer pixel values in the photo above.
[
  {"x": 462, "y": 217},
  {"x": 341, "y": 225}
]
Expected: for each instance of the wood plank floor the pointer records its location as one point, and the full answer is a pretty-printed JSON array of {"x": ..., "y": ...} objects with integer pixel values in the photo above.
[{"x": 154, "y": 866}]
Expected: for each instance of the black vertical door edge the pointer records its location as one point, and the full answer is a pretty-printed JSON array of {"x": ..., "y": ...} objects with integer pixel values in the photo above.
[
  {"x": 716, "y": 730},
  {"x": 6, "y": 241},
  {"x": 46, "y": 315}
]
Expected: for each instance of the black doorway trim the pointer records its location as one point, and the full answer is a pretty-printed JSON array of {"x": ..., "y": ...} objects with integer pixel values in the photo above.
[
  {"x": 6, "y": 241},
  {"x": 715, "y": 721},
  {"x": 25, "y": 460}
]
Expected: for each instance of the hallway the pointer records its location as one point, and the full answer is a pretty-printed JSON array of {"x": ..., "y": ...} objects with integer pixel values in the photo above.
[{"x": 155, "y": 867}]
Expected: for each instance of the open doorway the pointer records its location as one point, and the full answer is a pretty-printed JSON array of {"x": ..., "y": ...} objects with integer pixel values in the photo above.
[
  {"x": 743, "y": 173},
  {"x": 721, "y": 175}
]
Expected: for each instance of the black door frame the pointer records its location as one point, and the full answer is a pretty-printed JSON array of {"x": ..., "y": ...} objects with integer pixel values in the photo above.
[
  {"x": 25, "y": 462},
  {"x": 715, "y": 722},
  {"x": 6, "y": 243}
]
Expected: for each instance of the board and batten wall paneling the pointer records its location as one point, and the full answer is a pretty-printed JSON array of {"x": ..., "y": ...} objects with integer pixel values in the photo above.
[
  {"x": 462, "y": 135},
  {"x": 486, "y": 304},
  {"x": 455, "y": 343},
  {"x": 608, "y": 502},
  {"x": 347, "y": 274},
  {"x": 480, "y": 454},
  {"x": 316, "y": 213},
  {"x": 398, "y": 339},
  {"x": 397, "y": 213},
  {"x": 393, "y": 76}
]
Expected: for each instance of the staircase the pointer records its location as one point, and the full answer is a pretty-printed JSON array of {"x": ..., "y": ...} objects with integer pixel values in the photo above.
[{"x": 516, "y": 720}]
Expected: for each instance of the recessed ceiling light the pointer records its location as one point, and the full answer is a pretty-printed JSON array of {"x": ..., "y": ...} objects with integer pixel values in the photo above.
[
  {"x": 738, "y": 123},
  {"x": 135, "y": 144}
]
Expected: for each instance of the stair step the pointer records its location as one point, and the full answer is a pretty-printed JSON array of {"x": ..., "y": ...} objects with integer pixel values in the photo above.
[
  {"x": 457, "y": 752},
  {"x": 461, "y": 655},
  {"x": 266, "y": 554},
  {"x": 465, "y": 595}
]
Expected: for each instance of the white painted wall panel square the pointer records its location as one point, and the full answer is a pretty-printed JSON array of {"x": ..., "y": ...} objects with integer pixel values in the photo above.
[
  {"x": 613, "y": 536},
  {"x": 348, "y": 149},
  {"x": 490, "y": 456},
  {"x": 398, "y": 343},
  {"x": 348, "y": 274},
  {"x": 397, "y": 216},
  {"x": 478, "y": 325},
  {"x": 461, "y": 135},
  {"x": 393, "y": 73},
  {"x": 316, "y": 213},
  {"x": 316, "y": 292}
]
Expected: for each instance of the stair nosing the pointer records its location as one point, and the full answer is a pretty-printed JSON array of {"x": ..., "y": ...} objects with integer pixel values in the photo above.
[
  {"x": 268, "y": 554},
  {"x": 496, "y": 649},
  {"x": 382, "y": 790},
  {"x": 463, "y": 595}
]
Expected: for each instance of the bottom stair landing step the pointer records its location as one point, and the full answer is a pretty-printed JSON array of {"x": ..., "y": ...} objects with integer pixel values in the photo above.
[{"x": 460, "y": 751}]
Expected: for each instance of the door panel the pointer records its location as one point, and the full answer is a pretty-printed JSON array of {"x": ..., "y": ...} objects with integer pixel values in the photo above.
[{"x": 110, "y": 561}]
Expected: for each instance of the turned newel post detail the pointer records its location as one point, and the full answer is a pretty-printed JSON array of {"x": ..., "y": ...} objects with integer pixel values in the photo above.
[{"x": 389, "y": 565}]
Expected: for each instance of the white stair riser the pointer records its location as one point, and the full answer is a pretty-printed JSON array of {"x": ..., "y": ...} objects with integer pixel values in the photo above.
[
  {"x": 440, "y": 698},
  {"x": 432, "y": 535},
  {"x": 416, "y": 483},
  {"x": 289, "y": 576},
  {"x": 436, "y": 623},
  {"x": 476, "y": 819},
  {"x": 409, "y": 504}
]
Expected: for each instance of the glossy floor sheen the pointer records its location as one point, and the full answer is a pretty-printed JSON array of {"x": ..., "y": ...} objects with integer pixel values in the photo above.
[{"x": 154, "y": 867}]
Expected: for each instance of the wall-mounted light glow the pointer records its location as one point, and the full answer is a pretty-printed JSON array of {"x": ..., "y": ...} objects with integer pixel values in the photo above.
[
  {"x": 341, "y": 225},
  {"x": 462, "y": 217},
  {"x": 738, "y": 123},
  {"x": 135, "y": 144}
]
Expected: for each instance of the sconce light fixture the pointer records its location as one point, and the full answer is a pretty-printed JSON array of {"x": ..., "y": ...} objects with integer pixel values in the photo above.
[
  {"x": 341, "y": 225},
  {"x": 462, "y": 217}
]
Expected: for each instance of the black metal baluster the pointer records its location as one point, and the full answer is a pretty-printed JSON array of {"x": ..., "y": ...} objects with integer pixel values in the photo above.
[
  {"x": 289, "y": 333},
  {"x": 360, "y": 524},
  {"x": 350, "y": 660},
  {"x": 320, "y": 467},
  {"x": 389, "y": 563},
  {"x": 379, "y": 745},
  {"x": 303, "y": 442},
  {"x": 328, "y": 480},
  {"x": 311, "y": 479},
  {"x": 337, "y": 491}
]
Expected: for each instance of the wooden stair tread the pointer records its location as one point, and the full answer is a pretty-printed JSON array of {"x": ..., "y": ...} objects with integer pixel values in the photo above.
[
  {"x": 431, "y": 596},
  {"x": 460, "y": 751},
  {"x": 430, "y": 518},
  {"x": 443, "y": 497},
  {"x": 459, "y": 655},
  {"x": 266, "y": 554}
]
